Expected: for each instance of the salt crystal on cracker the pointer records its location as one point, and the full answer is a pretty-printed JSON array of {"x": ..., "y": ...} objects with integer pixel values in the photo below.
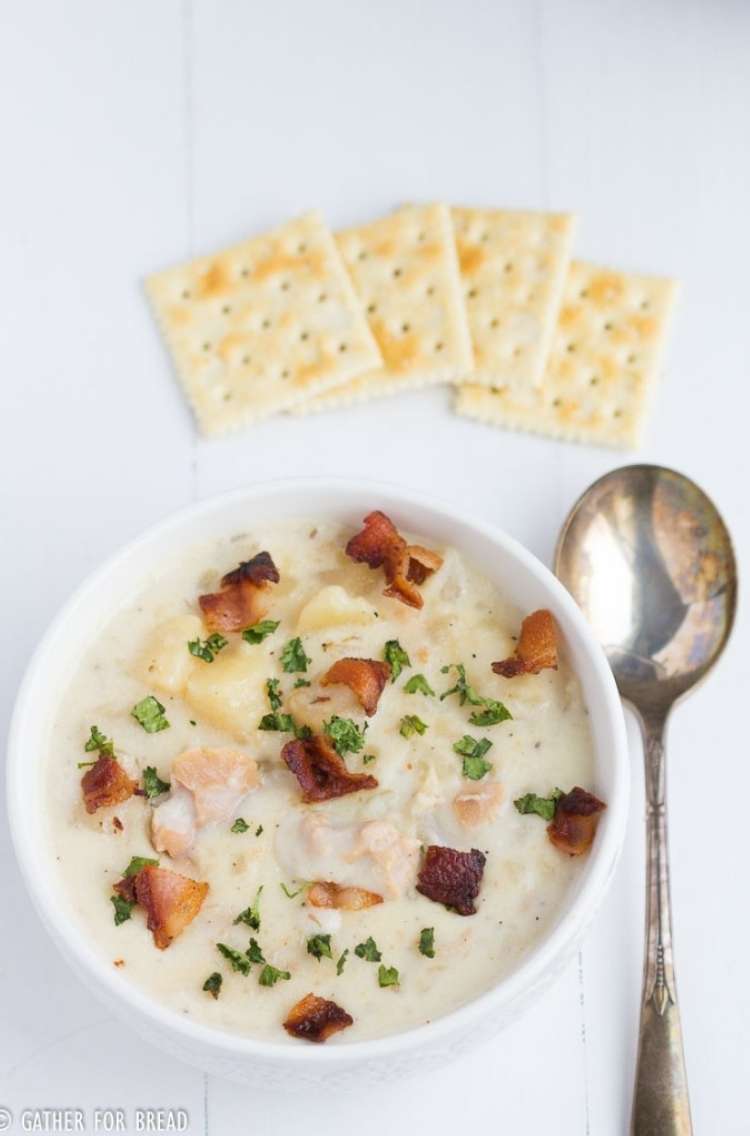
[
  {"x": 405, "y": 273},
  {"x": 603, "y": 365},
  {"x": 257, "y": 327},
  {"x": 513, "y": 266}
]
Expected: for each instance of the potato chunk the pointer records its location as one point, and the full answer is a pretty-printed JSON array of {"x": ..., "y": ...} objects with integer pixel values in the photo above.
[
  {"x": 230, "y": 692},
  {"x": 334, "y": 607},
  {"x": 166, "y": 662}
]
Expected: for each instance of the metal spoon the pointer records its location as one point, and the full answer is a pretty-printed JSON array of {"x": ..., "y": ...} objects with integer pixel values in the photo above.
[{"x": 650, "y": 561}]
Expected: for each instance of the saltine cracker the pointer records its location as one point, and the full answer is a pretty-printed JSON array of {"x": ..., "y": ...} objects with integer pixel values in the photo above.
[{"x": 257, "y": 327}]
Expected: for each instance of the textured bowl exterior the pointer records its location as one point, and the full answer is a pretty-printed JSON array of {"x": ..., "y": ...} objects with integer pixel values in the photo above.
[{"x": 288, "y": 1065}]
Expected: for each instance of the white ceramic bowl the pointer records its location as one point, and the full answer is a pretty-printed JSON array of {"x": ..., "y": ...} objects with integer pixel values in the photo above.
[{"x": 523, "y": 579}]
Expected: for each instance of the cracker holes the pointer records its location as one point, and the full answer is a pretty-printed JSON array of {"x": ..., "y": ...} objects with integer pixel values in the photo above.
[
  {"x": 285, "y": 373},
  {"x": 304, "y": 335},
  {"x": 617, "y": 413},
  {"x": 609, "y": 326},
  {"x": 472, "y": 294},
  {"x": 631, "y": 359},
  {"x": 484, "y": 238},
  {"x": 517, "y": 352},
  {"x": 207, "y": 346},
  {"x": 266, "y": 324},
  {"x": 421, "y": 237},
  {"x": 570, "y": 348},
  {"x": 226, "y": 309},
  {"x": 583, "y": 294},
  {"x": 363, "y": 254},
  {"x": 244, "y": 272},
  {"x": 405, "y": 328},
  {"x": 594, "y": 380},
  {"x": 494, "y": 323},
  {"x": 343, "y": 347},
  {"x": 430, "y": 290},
  {"x": 645, "y": 305},
  {"x": 185, "y": 293},
  {"x": 557, "y": 402},
  {"x": 285, "y": 285},
  {"x": 397, "y": 272},
  {"x": 508, "y": 267},
  {"x": 246, "y": 360},
  {"x": 371, "y": 309},
  {"x": 301, "y": 248},
  {"x": 322, "y": 297},
  {"x": 439, "y": 346}
]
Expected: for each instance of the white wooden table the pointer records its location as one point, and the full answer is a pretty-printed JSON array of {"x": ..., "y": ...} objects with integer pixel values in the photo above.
[{"x": 135, "y": 134}]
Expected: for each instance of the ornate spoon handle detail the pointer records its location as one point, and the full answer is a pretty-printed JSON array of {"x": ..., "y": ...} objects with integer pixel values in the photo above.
[{"x": 661, "y": 1106}]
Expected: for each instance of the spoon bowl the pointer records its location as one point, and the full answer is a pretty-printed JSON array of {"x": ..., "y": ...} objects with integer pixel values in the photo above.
[{"x": 650, "y": 561}]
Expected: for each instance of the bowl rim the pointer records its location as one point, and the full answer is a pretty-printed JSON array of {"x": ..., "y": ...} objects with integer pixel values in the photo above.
[{"x": 123, "y": 995}]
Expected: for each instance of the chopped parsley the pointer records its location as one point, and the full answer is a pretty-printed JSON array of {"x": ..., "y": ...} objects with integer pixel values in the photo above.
[
  {"x": 150, "y": 713},
  {"x": 319, "y": 946},
  {"x": 240, "y": 825},
  {"x": 418, "y": 684},
  {"x": 85, "y": 764},
  {"x": 238, "y": 961},
  {"x": 410, "y": 725},
  {"x": 302, "y": 682},
  {"x": 269, "y": 975},
  {"x": 251, "y": 915},
  {"x": 292, "y": 894},
  {"x": 123, "y": 908},
  {"x": 493, "y": 713},
  {"x": 293, "y": 657},
  {"x": 272, "y": 690},
  {"x": 153, "y": 786},
  {"x": 253, "y": 952},
  {"x": 396, "y": 657},
  {"x": 473, "y": 750},
  {"x": 259, "y": 830},
  {"x": 212, "y": 985},
  {"x": 260, "y": 631},
  {"x": 427, "y": 942},
  {"x": 368, "y": 757},
  {"x": 277, "y": 721},
  {"x": 463, "y": 688},
  {"x": 387, "y": 976},
  {"x": 544, "y": 807},
  {"x": 97, "y": 741},
  {"x": 137, "y": 863},
  {"x": 368, "y": 950},
  {"x": 346, "y": 735},
  {"x": 206, "y": 649},
  {"x": 342, "y": 962}
]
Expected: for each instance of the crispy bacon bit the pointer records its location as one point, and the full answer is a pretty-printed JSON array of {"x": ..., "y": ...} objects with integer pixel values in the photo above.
[
  {"x": 341, "y": 898},
  {"x": 321, "y": 772},
  {"x": 365, "y": 677},
  {"x": 315, "y": 1019},
  {"x": 117, "y": 824},
  {"x": 451, "y": 877},
  {"x": 241, "y": 601},
  {"x": 105, "y": 784},
  {"x": 170, "y": 900},
  {"x": 576, "y": 818},
  {"x": 380, "y": 545},
  {"x": 536, "y": 647}
]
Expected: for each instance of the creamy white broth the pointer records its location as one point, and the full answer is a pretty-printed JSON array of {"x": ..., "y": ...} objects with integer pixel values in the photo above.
[{"x": 464, "y": 619}]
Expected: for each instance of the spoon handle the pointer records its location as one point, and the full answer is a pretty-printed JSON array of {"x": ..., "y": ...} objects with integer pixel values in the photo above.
[{"x": 661, "y": 1106}]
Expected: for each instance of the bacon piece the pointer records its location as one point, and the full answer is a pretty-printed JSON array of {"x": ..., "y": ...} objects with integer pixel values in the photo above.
[
  {"x": 536, "y": 647},
  {"x": 321, "y": 772},
  {"x": 315, "y": 1019},
  {"x": 575, "y": 821},
  {"x": 479, "y": 805},
  {"x": 365, "y": 677},
  {"x": 170, "y": 900},
  {"x": 241, "y": 601},
  {"x": 451, "y": 877},
  {"x": 329, "y": 894},
  {"x": 380, "y": 545},
  {"x": 105, "y": 784}
]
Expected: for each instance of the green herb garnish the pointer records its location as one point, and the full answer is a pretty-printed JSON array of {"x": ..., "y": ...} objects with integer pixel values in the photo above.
[
  {"x": 123, "y": 908},
  {"x": 240, "y": 825},
  {"x": 544, "y": 807},
  {"x": 153, "y": 786},
  {"x": 368, "y": 950},
  {"x": 396, "y": 657},
  {"x": 342, "y": 962},
  {"x": 463, "y": 688},
  {"x": 251, "y": 915},
  {"x": 259, "y": 830},
  {"x": 213, "y": 984},
  {"x": 293, "y": 657},
  {"x": 473, "y": 751},
  {"x": 346, "y": 735},
  {"x": 97, "y": 741},
  {"x": 368, "y": 757},
  {"x": 427, "y": 942},
  {"x": 418, "y": 684},
  {"x": 85, "y": 764},
  {"x": 239, "y": 961},
  {"x": 410, "y": 725},
  {"x": 272, "y": 690},
  {"x": 493, "y": 713},
  {"x": 319, "y": 946},
  {"x": 253, "y": 952},
  {"x": 150, "y": 713},
  {"x": 137, "y": 863},
  {"x": 260, "y": 631},
  {"x": 302, "y": 682},
  {"x": 269, "y": 975},
  {"x": 292, "y": 894},
  {"x": 277, "y": 721},
  {"x": 206, "y": 649},
  {"x": 387, "y": 976}
]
